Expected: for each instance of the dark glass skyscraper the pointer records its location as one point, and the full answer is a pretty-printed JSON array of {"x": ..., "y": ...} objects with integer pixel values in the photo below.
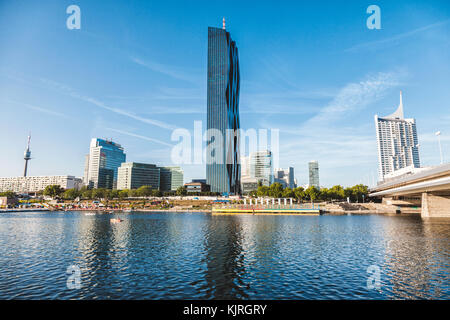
[{"x": 223, "y": 172}]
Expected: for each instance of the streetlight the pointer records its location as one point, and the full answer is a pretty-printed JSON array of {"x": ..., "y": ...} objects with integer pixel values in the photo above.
[{"x": 438, "y": 134}]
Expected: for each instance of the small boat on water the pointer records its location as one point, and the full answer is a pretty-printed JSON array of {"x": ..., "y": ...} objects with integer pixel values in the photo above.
[
  {"x": 116, "y": 220},
  {"x": 126, "y": 210},
  {"x": 89, "y": 214}
]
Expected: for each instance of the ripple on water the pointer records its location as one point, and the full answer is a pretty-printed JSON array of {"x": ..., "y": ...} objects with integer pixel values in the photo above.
[{"x": 199, "y": 256}]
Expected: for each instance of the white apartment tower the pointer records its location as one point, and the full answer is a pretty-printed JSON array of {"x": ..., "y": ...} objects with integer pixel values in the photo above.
[{"x": 398, "y": 146}]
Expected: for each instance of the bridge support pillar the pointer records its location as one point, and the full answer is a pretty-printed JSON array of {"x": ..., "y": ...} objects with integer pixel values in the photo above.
[{"x": 435, "y": 205}]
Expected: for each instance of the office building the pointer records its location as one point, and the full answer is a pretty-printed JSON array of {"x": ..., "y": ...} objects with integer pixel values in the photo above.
[
  {"x": 222, "y": 167},
  {"x": 248, "y": 184},
  {"x": 285, "y": 177},
  {"x": 105, "y": 157},
  {"x": 260, "y": 166},
  {"x": 398, "y": 146},
  {"x": 38, "y": 183},
  {"x": 171, "y": 178},
  {"x": 132, "y": 175},
  {"x": 196, "y": 187},
  {"x": 314, "y": 174}
]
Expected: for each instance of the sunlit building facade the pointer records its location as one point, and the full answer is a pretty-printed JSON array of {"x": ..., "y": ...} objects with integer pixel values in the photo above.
[
  {"x": 260, "y": 166},
  {"x": 222, "y": 167},
  {"x": 132, "y": 175},
  {"x": 105, "y": 157},
  {"x": 171, "y": 178},
  {"x": 398, "y": 145},
  {"x": 313, "y": 167}
]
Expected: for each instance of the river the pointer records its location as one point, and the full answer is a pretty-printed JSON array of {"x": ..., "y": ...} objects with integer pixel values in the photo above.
[{"x": 201, "y": 256}]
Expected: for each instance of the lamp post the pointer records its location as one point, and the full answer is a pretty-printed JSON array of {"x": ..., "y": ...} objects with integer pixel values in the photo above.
[{"x": 438, "y": 134}]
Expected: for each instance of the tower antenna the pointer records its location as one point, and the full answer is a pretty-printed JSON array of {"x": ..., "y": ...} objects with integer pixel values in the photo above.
[
  {"x": 223, "y": 23},
  {"x": 27, "y": 155}
]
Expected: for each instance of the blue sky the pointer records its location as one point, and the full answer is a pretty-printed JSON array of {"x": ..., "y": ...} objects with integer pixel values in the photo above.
[{"x": 137, "y": 69}]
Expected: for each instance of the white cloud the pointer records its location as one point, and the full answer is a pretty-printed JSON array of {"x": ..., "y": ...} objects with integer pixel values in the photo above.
[
  {"x": 71, "y": 92},
  {"x": 345, "y": 149}
]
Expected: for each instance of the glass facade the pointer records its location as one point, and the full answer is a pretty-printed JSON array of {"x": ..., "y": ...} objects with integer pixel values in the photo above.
[
  {"x": 105, "y": 157},
  {"x": 314, "y": 174},
  {"x": 222, "y": 168},
  {"x": 132, "y": 175},
  {"x": 261, "y": 166},
  {"x": 171, "y": 178}
]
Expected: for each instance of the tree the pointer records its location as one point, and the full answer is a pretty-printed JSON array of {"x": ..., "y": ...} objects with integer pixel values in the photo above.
[
  {"x": 8, "y": 194},
  {"x": 359, "y": 191},
  {"x": 156, "y": 193},
  {"x": 276, "y": 190},
  {"x": 299, "y": 193},
  {"x": 99, "y": 193},
  {"x": 114, "y": 194},
  {"x": 325, "y": 194},
  {"x": 133, "y": 193},
  {"x": 181, "y": 191},
  {"x": 288, "y": 193},
  {"x": 123, "y": 193},
  {"x": 337, "y": 192},
  {"x": 312, "y": 193},
  {"x": 144, "y": 191},
  {"x": 53, "y": 190},
  {"x": 262, "y": 191},
  {"x": 86, "y": 194},
  {"x": 70, "y": 194}
]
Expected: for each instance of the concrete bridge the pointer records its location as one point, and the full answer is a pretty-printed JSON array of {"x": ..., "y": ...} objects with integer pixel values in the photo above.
[{"x": 429, "y": 188}]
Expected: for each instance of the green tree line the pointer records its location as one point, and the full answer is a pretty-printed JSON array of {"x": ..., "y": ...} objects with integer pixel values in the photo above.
[
  {"x": 335, "y": 193},
  {"x": 55, "y": 191}
]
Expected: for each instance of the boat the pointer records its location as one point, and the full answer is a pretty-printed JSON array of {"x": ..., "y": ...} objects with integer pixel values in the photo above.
[
  {"x": 116, "y": 220},
  {"x": 89, "y": 214},
  {"x": 126, "y": 210}
]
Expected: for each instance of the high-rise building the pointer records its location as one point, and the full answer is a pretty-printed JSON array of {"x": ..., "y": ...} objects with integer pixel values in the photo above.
[
  {"x": 132, "y": 175},
  {"x": 285, "y": 177},
  {"x": 260, "y": 165},
  {"x": 105, "y": 157},
  {"x": 314, "y": 174},
  {"x": 222, "y": 167},
  {"x": 171, "y": 178},
  {"x": 398, "y": 146}
]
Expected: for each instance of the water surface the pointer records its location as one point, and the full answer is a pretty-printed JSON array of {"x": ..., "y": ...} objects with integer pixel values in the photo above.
[{"x": 200, "y": 256}]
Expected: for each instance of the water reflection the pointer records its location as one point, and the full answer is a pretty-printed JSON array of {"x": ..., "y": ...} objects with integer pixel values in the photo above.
[
  {"x": 224, "y": 259},
  {"x": 188, "y": 255}
]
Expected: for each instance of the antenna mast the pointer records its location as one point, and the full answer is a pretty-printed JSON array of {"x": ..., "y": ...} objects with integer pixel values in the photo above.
[{"x": 27, "y": 155}]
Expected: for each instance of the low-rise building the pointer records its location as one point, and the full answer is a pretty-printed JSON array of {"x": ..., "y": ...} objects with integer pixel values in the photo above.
[
  {"x": 38, "y": 183},
  {"x": 249, "y": 184},
  {"x": 7, "y": 201},
  {"x": 197, "y": 187}
]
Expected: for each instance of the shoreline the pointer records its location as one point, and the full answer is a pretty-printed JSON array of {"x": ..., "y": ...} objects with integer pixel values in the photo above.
[{"x": 323, "y": 212}]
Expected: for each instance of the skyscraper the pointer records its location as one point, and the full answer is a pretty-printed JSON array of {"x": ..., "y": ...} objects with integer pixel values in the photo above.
[
  {"x": 398, "y": 145},
  {"x": 105, "y": 157},
  {"x": 222, "y": 168},
  {"x": 314, "y": 174},
  {"x": 285, "y": 177}
]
